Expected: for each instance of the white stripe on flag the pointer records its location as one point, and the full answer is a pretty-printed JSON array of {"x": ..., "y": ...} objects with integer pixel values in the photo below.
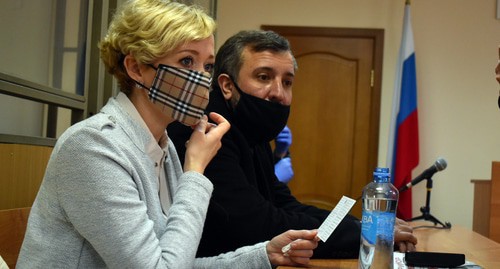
[{"x": 407, "y": 48}]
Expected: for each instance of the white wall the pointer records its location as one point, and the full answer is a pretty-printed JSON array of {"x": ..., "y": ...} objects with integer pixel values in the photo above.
[
  {"x": 456, "y": 45},
  {"x": 25, "y": 28}
]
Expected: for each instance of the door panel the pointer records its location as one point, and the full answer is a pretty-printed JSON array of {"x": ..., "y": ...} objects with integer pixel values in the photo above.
[{"x": 335, "y": 112}]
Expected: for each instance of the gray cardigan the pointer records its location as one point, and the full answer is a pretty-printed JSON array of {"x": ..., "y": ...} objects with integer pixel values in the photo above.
[{"x": 98, "y": 205}]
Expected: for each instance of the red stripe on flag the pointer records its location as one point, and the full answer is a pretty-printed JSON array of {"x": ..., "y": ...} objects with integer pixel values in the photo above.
[{"x": 407, "y": 157}]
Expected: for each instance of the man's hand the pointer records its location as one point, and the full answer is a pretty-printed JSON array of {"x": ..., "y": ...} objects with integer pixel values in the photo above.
[
  {"x": 283, "y": 170},
  {"x": 283, "y": 142},
  {"x": 404, "y": 240}
]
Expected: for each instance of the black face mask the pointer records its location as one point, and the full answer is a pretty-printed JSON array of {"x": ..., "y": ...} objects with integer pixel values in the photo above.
[{"x": 259, "y": 120}]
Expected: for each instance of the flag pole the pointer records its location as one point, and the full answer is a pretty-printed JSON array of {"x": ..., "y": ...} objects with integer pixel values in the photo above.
[{"x": 403, "y": 149}]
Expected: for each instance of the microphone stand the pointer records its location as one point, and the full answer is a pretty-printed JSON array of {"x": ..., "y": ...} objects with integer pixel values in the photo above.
[{"x": 426, "y": 210}]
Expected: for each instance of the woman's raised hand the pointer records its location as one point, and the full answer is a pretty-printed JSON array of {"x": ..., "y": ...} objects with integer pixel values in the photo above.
[{"x": 204, "y": 142}]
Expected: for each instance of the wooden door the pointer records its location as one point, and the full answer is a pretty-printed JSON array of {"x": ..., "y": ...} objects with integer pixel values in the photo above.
[{"x": 335, "y": 111}]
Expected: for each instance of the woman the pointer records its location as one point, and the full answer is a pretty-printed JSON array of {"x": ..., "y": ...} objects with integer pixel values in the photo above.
[{"x": 114, "y": 193}]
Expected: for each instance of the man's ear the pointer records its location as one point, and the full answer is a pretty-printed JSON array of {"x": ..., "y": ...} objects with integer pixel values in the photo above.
[
  {"x": 226, "y": 85},
  {"x": 132, "y": 67}
]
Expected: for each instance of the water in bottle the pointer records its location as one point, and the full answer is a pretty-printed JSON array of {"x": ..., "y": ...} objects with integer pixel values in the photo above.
[{"x": 379, "y": 205}]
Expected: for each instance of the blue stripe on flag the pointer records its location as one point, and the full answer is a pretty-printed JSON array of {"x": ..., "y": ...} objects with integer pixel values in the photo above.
[{"x": 408, "y": 98}]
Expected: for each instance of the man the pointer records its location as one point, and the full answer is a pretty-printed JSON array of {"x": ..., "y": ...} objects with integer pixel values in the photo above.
[{"x": 252, "y": 88}]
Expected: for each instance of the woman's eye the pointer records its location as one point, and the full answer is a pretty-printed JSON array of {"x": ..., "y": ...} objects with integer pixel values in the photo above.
[
  {"x": 209, "y": 68},
  {"x": 187, "y": 62}
]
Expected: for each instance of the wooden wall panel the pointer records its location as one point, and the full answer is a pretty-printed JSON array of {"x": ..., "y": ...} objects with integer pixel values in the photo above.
[
  {"x": 21, "y": 172},
  {"x": 12, "y": 230}
]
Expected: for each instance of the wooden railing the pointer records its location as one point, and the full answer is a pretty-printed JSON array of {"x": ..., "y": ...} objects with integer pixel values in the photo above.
[{"x": 28, "y": 90}]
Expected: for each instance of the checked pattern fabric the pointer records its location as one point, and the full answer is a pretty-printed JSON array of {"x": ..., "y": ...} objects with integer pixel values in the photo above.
[{"x": 182, "y": 93}]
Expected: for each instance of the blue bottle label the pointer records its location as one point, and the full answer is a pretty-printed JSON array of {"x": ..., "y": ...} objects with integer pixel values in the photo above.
[{"x": 379, "y": 224}]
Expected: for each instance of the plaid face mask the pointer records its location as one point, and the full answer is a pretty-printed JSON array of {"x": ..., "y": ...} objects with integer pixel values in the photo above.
[{"x": 180, "y": 93}]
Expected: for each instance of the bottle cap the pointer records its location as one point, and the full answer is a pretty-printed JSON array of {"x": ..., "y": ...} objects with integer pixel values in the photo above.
[{"x": 381, "y": 172}]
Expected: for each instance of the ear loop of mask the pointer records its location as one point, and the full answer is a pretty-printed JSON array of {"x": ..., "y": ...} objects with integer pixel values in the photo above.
[
  {"x": 240, "y": 91},
  {"x": 232, "y": 103},
  {"x": 139, "y": 84}
]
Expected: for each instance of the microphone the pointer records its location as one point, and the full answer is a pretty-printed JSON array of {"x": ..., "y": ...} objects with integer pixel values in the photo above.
[{"x": 439, "y": 165}]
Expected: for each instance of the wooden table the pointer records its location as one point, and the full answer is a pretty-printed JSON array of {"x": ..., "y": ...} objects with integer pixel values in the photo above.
[{"x": 477, "y": 248}]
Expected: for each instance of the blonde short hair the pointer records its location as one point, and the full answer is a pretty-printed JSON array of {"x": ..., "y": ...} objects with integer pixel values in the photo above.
[{"x": 149, "y": 30}]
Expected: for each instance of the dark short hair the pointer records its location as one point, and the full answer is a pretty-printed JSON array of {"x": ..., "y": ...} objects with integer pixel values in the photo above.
[{"x": 229, "y": 56}]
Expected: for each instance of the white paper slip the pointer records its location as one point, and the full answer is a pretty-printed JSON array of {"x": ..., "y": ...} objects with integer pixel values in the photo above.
[
  {"x": 285, "y": 249},
  {"x": 335, "y": 217}
]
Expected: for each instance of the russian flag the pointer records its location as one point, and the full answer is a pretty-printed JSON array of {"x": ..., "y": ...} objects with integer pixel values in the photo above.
[{"x": 403, "y": 152}]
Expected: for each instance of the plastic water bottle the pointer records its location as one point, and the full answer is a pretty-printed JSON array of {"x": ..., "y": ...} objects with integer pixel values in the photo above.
[{"x": 380, "y": 199}]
